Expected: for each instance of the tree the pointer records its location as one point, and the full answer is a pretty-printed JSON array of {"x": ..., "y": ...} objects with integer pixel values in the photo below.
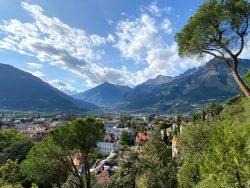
[
  {"x": 219, "y": 28},
  {"x": 47, "y": 163},
  {"x": 126, "y": 139},
  {"x": 52, "y": 160},
  {"x": 14, "y": 146},
  {"x": 192, "y": 143},
  {"x": 215, "y": 154},
  {"x": 9, "y": 172},
  {"x": 157, "y": 166},
  {"x": 10, "y": 136},
  {"x": 17, "y": 151},
  {"x": 128, "y": 172},
  {"x": 227, "y": 155},
  {"x": 247, "y": 78},
  {"x": 213, "y": 109}
]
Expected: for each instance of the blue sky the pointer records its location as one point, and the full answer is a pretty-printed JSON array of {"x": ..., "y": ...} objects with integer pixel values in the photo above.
[{"x": 75, "y": 45}]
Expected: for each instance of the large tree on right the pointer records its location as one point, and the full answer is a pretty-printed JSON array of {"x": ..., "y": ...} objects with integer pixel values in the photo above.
[{"x": 219, "y": 28}]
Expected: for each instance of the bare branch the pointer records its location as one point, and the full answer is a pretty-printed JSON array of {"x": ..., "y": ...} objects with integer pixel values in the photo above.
[
  {"x": 219, "y": 57},
  {"x": 242, "y": 38}
]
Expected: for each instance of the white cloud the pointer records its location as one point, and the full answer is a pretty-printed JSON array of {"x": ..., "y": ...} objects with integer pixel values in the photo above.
[
  {"x": 50, "y": 40},
  {"x": 109, "y": 21},
  {"x": 141, "y": 39},
  {"x": 65, "y": 87},
  {"x": 124, "y": 14},
  {"x": 136, "y": 37},
  {"x": 39, "y": 74},
  {"x": 246, "y": 51},
  {"x": 34, "y": 65},
  {"x": 73, "y": 49},
  {"x": 155, "y": 10},
  {"x": 166, "y": 26}
]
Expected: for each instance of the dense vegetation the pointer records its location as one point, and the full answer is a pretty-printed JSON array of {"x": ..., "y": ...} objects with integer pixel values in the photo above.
[
  {"x": 51, "y": 161},
  {"x": 215, "y": 152},
  {"x": 219, "y": 28}
]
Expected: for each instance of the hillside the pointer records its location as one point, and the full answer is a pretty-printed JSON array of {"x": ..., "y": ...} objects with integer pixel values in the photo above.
[
  {"x": 191, "y": 89},
  {"x": 22, "y": 91},
  {"x": 105, "y": 95}
]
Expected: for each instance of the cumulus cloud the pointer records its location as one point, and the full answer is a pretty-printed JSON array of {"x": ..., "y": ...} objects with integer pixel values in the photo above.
[
  {"x": 154, "y": 9},
  {"x": 139, "y": 39},
  {"x": 50, "y": 40},
  {"x": 166, "y": 26},
  {"x": 39, "y": 74},
  {"x": 65, "y": 87}
]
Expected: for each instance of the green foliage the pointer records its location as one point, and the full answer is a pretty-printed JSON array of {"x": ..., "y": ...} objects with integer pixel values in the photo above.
[
  {"x": 51, "y": 161},
  {"x": 129, "y": 170},
  {"x": 157, "y": 166},
  {"x": 233, "y": 100},
  {"x": 216, "y": 26},
  {"x": 125, "y": 118},
  {"x": 47, "y": 163},
  {"x": 126, "y": 139},
  {"x": 17, "y": 150},
  {"x": 213, "y": 109},
  {"x": 216, "y": 153},
  {"x": 247, "y": 79},
  {"x": 9, "y": 137},
  {"x": 227, "y": 155},
  {"x": 142, "y": 127},
  {"x": 9, "y": 172},
  {"x": 14, "y": 148},
  {"x": 192, "y": 142},
  {"x": 153, "y": 167}
]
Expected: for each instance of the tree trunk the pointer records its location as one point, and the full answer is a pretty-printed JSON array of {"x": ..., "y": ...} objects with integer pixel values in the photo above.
[
  {"x": 89, "y": 179},
  {"x": 245, "y": 90},
  {"x": 81, "y": 182}
]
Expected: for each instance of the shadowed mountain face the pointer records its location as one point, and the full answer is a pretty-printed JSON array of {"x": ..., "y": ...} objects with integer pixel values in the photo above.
[
  {"x": 186, "y": 92},
  {"x": 22, "y": 91},
  {"x": 105, "y": 95}
]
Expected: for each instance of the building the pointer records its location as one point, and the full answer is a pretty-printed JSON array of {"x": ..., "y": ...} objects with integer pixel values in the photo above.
[
  {"x": 175, "y": 150},
  {"x": 141, "y": 139},
  {"x": 109, "y": 144},
  {"x": 117, "y": 129}
]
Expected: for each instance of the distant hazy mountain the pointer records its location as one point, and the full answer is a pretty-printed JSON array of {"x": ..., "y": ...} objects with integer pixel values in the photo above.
[
  {"x": 188, "y": 91},
  {"x": 20, "y": 90},
  {"x": 105, "y": 95},
  {"x": 212, "y": 81},
  {"x": 158, "y": 80},
  {"x": 148, "y": 86}
]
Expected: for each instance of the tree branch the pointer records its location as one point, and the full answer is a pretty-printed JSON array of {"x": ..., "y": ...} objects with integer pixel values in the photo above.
[
  {"x": 219, "y": 57},
  {"x": 242, "y": 38}
]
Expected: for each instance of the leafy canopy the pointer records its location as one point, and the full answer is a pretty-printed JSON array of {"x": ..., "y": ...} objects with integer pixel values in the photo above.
[{"x": 219, "y": 28}]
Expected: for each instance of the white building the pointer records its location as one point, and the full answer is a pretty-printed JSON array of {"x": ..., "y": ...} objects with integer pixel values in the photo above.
[
  {"x": 109, "y": 144},
  {"x": 117, "y": 130}
]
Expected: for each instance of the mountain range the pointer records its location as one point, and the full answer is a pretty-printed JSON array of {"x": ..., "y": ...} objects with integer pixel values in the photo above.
[
  {"x": 105, "y": 95},
  {"x": 186, "y": 92},
  {"x": 21, "y": 91}
]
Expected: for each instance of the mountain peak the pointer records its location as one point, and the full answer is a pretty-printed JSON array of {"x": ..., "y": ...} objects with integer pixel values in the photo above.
[
  {"x": 158, "y": 80},
  {"x": 23, "y": 91}
]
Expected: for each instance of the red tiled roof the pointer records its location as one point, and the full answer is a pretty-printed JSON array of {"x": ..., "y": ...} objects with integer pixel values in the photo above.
[
  {"x": 103, "y": 178},
  {"x": 142, "y": 137}
]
